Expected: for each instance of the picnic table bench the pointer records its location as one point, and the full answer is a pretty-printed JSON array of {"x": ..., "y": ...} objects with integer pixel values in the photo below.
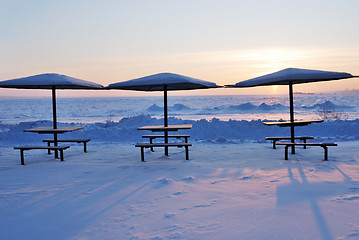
[
  {"x": 152, "y": 137},
  {"x": 302, "y": 138},
  {"x": 324, "y": 145},
  {"x": 59, "y": 148},
  {"x": 84, "y": 141},
  {"x": 151, "y": 145}
]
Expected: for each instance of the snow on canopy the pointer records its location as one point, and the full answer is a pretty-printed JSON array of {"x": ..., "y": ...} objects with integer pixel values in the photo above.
[
  {"x": 47, "y": 81},
  {"x": 157, "y": 82},
  {"x": 294, "y": 75}
]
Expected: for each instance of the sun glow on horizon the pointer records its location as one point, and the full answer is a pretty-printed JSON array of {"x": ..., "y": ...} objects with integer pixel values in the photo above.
[
  {"x": 274, "y": 89},
  {"x": 273, "y": 59}
]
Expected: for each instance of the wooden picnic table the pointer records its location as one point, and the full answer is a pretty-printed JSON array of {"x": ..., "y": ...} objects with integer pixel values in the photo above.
[
  {"x": 165, "y": 129},
  {"x": 54, "y": 131},
  {"x": 51, "y": 130},
  {"x": 295, "y": 123},
  {"x": 292, "y": 124}
]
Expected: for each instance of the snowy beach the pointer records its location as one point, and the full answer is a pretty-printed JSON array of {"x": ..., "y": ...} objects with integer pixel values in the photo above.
[
  {"x": 235, "y": 186},
  {"x": 226, "y": 191}
]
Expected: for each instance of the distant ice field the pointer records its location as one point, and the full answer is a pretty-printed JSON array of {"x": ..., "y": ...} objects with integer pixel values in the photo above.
[{"x": 236, "y": 107}]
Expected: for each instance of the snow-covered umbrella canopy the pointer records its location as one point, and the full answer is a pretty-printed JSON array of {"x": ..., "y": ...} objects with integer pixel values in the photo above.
[
  {"x": 162, "y": 82},
  {"x": 290, "y": 76},
  {"x": 294, "y": 76},
  {"x": 48, "y": 81}
]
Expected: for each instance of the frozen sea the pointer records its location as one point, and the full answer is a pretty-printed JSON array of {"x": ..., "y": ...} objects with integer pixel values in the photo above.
[{"x": 236, "y": 107}]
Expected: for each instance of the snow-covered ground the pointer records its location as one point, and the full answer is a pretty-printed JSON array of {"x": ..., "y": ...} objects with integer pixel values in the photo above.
[{"x": 225, "y": 191}]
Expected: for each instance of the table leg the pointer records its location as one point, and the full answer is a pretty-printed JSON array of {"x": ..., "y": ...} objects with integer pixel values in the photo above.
[
  {"x": 55, "y": 144},
  {"x": 22, "y": 156},
  {"x": 166, "y": 141},
  {"x": 151, "y": 141},
  {"x": 286, "y": 152},
  {"x": 62, "y": 155},
  {"x": 142, "y": 154},
  {"x": 325, "y": 153},
  {"x": 187, "y": 155},
  {"x": 48, "y": 150}
]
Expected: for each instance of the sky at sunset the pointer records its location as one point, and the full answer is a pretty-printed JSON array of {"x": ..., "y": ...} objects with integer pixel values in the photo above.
[{"x": 223, "y": 41}]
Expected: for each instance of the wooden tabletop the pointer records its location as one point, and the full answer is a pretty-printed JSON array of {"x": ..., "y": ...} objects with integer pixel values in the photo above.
[
  {"x": 168, "y": 128},
  {"x": 53, "y": 130},
  {"x": 295, "y": 123}
]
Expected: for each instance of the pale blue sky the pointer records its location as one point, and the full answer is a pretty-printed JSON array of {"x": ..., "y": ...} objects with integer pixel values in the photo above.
[{"x": 224, "y": 41}]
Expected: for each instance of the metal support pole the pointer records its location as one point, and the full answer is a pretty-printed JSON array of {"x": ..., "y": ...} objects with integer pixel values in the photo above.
[
  {"x": 54, "y": 118},
  {"x": 165, "y": 116},
  {"x": 291, "y": 115}
]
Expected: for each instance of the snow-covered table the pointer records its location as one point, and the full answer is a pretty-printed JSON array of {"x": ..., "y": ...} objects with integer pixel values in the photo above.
[
  {"x": 51, "y": 130},
  {"x": 166, "y": 129},
  {"x": 295, "y": 123}
]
